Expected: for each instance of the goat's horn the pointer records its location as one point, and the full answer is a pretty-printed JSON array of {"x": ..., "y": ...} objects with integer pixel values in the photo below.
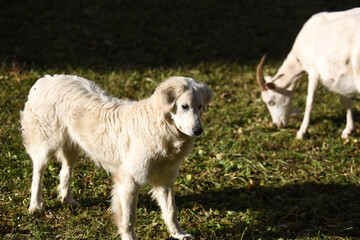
[{"x": 259, "y": 74}]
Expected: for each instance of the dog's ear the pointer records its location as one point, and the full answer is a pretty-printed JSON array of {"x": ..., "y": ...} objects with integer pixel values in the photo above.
[
  {"x": 207, "y": 94},
  {"x": 169, "y": 91}
]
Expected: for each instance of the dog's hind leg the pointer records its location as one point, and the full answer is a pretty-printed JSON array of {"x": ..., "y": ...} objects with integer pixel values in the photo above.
[
  {"x": 67, "y": 155},
  {"x": 123, "y": 205},
  {"x": 40, "y": 159},
  {"x": 165, "y": 198}
]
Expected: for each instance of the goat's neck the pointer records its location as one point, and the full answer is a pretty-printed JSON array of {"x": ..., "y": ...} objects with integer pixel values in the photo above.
[{"x": 289, "y": 72}]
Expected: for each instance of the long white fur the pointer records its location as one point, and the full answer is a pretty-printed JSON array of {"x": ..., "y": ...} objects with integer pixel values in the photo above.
[
  {"x": 138, "y": 142},
  {"x": 328, "y": 49}
]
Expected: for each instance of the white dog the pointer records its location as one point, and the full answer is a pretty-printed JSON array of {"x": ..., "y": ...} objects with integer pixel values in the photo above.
[{"x": 139, "y": 142}]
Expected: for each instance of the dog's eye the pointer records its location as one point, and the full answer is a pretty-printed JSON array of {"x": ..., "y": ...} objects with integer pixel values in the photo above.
[
  {"x": 185, "y": 107},
  {"x": 271, "y": 102}
]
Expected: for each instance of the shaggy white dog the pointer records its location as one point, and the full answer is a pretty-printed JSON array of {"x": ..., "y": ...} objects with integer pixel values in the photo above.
[{"x": 139, "y": 142}]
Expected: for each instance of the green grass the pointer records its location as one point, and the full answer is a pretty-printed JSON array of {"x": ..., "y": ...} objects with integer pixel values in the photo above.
[{"x": 244, "y": 179}]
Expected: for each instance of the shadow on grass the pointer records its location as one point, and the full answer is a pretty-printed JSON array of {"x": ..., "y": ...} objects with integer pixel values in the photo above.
[
  {"x": 291, "y": 211},
  {"x": 337, "y": 120},
  {"x": 103, "y": 34}
]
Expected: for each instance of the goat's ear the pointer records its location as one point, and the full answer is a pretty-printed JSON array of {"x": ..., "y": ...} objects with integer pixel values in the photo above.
[
  {"x": 169, "y": 92},
  {"x": 270, "y": 86}
]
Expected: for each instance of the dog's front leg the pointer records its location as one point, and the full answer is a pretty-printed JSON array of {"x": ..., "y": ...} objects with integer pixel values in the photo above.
[
  {"x": 165, "y": 198},
  {"x": 123, "y": 204}
]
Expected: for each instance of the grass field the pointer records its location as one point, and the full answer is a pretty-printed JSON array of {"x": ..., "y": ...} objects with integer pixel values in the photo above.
[{"x": 244, "y": 179}]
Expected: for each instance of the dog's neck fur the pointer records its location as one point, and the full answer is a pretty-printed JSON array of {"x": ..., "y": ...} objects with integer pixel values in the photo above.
[
  {"x": 167, "y": 132},
  {"x": 160, "y": 134},
  {"x": 161, "y": 121}
]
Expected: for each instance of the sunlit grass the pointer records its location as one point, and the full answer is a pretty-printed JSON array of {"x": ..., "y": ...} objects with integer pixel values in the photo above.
[{"x": 244, "y": 179}]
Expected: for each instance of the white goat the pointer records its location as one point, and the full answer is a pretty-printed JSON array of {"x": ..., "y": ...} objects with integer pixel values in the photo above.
[{"x": 328, "y": 49}]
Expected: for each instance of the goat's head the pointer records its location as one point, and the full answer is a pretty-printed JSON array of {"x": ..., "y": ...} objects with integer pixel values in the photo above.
[{"x": 278, "y": 100}]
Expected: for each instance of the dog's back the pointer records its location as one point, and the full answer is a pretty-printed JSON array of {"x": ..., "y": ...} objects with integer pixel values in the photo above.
[
  {"x": 50, "y": 109},
  {"x": 54, "y": 90}
]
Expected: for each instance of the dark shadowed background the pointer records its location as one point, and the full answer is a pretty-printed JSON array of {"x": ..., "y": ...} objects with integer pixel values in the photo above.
[{"x": 149, "y": 33}]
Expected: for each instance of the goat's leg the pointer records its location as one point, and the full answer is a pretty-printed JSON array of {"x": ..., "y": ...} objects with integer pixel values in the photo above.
[
  {"x": 349, "y": 118},
  {"x": 312, "y": 86}
]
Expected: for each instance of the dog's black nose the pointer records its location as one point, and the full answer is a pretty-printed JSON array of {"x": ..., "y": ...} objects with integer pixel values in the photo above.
[{"x": 197, "y": 130}]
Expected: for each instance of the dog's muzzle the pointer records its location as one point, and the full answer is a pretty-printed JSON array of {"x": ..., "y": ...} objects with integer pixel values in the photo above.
[{"x": 197, "y": 130}]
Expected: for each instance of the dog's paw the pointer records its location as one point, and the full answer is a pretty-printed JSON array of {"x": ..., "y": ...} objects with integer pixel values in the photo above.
[
  {"x": 346, "y": 133},
  {"x": 189, "y": 237},
  {"x": 36, "y": 207},
  {"x": 185, "y": 236}
]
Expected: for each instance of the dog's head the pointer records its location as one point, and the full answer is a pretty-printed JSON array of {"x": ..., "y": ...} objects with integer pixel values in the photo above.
[{"x": 185, "y": 99}]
